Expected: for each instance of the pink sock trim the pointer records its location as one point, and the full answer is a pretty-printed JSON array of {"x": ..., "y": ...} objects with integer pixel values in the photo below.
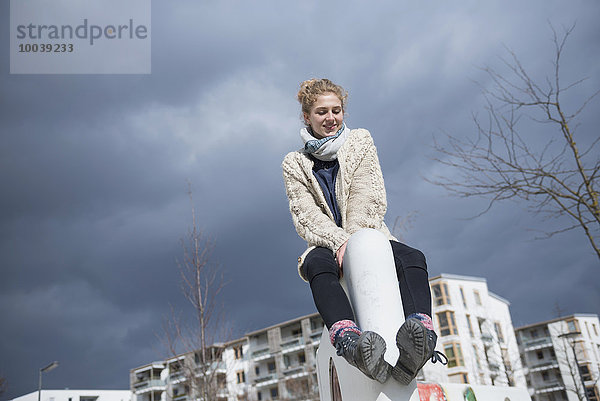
[
  {"x": 425, "y": 319},
  {"x": 340, "y": 328}
]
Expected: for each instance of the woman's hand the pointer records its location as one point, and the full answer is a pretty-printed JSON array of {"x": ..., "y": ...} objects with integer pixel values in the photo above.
[{"x": 339, "y": 256}]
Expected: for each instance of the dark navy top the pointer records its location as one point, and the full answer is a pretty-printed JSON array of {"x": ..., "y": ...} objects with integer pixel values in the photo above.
[{"x": 326, "y": 173}]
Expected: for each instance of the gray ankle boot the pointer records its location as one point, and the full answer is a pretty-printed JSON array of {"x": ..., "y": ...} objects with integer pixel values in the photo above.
[
  {"x": 366, "y": 353},
  {"x": 416, "y": 344}
]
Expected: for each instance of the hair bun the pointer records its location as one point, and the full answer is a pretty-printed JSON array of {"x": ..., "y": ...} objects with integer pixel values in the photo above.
[{"x": 312, "y": 88}]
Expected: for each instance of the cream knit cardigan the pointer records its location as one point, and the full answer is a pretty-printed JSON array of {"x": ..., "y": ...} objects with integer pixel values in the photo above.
[{"x": 359, "y": 190}]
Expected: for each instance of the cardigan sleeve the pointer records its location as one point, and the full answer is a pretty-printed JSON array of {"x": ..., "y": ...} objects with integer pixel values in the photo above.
[
  {"x": 310, "y": 219},
  {"x": 367, "y": 203}
]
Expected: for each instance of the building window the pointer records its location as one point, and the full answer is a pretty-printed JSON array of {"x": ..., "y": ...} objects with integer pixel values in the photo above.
[
  {"x": 545, "y": 376},
  {"x": 540, "y": 355},
  {"x": 585, "y": 372},
  {"x": 587, "y": 328},
  {"x": 592, "y": 393},
  {"x": 580, "y": 349},
  {"x": 481, "y": 324},
  {"x": 271, "y": 367},
  {"x": 316, "y": 323},
  {"x": 441, "y": 296},
  {"x": 458, "y": 378},
  {"x": 533, "y": 333},
  {"x": 499, "y": 332},
  {"x": 274, "y": 393},
  {"x": 238, "y": 352},
  {"x": 572, "y": 325},
  {"x": 259, "y": 396},
  {"x": 477, "y": 297},
  {"x": 476, "y": 353},
  {"x": 241, "y": 377},
  {"x": 257, "y": 370},
  {"x": 446, "y": 323},
  {"x": 462, "y": 296},
  {"x": 454, "y": 354},
  {"x": 301, "y": 358},
  {"x": 469, "y": 325}
]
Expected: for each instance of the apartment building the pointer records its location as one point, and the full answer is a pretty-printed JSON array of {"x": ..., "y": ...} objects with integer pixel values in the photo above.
[
  {"x": 148, "y": 382},
  {"x": 562, "y": 358},
  {"x": 282, "y": 362},
  {"x": 475, "y": 332},
  {"x": 273, "y": 363},
  {"x": 278, "y": 362},
  {"x": 183, "y": 377}
]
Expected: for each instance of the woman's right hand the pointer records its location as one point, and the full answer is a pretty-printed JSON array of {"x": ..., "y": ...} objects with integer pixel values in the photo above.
[{"x": 339, "y": 257}]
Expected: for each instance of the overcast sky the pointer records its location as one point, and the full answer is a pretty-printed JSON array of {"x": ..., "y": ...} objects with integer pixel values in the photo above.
[{"x": 95, "y": 169}]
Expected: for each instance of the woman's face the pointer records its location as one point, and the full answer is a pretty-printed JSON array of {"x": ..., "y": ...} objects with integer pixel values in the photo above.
[{"x": 326, "y": 116}]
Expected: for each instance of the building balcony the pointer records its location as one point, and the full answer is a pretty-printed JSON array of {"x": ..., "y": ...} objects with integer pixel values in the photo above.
[
  {"x": 292, "y": 344},
  {"x": 494, "y": 367},
  {"x": 538, "y": 343},
  {"x": 218, "y": 367},
  {"x": 293, "y": 369},
  {"x": 544, "y": 366},
  {"x": 266, "y": 380},
  {"x": 487, "y": 338},
  {"x": 315, "y": 336},
  {"x": 261, "y": 354},
  {"x": 177, "y": 377},
  {"x": 181, "y": 397},
  {"x": 156, "y": 367},
  {"x": 147, "y": 384},
  {"x": 550, "y": 387}
]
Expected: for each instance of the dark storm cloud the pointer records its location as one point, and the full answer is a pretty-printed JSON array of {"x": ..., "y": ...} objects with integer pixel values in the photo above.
[{"x": 94, "y": 170}]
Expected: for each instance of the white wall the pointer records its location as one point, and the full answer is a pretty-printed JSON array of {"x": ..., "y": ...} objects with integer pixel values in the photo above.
[{"x": 76, "y": 395}]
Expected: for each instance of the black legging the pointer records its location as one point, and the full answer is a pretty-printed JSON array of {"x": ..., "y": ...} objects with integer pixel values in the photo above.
[{"x": 322, "y": 272}]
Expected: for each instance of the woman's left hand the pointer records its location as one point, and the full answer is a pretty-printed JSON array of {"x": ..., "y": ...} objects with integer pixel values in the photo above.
[{"x": 339, "y": 256}]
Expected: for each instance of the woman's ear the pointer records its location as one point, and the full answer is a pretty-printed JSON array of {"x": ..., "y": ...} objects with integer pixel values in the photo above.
[{"x": 306, "y": 119}]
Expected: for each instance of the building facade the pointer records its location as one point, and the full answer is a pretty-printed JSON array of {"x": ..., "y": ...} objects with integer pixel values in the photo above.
[
  {"x": 273, "y": 363},
  {"x": 278, "y": 362},
  {"x": 77, "y": 395},
  {"x": 562, "y": 357},
  {"x": 475, "y": 332}
]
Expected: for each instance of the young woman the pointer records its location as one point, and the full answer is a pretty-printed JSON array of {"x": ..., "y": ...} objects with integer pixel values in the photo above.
[{"x": 335, "y": 187}]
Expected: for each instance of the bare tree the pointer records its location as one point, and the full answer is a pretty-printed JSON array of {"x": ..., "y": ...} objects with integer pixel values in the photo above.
[
  {"x": 569, "y": 356},
  {"x": 556, "y": 176},
  {"x": 301, "y": 389},
  {"x": 403, "y": 223},
  {"x": 196, "y": 362}
]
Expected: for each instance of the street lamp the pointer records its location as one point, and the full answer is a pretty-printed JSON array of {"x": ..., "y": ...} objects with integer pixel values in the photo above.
[
  {"x": 572, "y": 343},
  {"x": 45, "y": 369}
]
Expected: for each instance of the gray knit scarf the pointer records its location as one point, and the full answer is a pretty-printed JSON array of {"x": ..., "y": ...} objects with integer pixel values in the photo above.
[{"x": 325, "y": 148}]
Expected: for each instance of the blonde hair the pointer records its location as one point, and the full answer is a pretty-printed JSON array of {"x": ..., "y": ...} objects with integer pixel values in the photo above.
[{"x": 311, "y": 89}]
